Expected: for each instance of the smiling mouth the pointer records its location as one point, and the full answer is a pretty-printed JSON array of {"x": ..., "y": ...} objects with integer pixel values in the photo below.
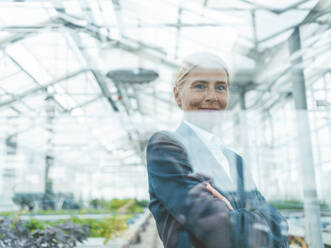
[{"x": 210, "y": 109}]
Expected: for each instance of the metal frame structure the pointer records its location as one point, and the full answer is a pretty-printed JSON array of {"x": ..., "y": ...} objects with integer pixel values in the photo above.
[{"x": 97, "y": 36}]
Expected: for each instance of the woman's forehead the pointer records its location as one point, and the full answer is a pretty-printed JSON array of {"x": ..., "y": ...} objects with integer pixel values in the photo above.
[{"x": 208, "y": 73}]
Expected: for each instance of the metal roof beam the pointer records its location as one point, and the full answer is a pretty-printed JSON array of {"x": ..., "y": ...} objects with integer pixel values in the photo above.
[
  {"x": 277, "y": 11},
  {"x": 128, "y": 44},
  {"x": 279, "y": 52},
  {"x": 104, "y": 89},
  {"x": 33, "y": 79},
  {"x": 41, "y": 88},
  {"x": 24, "y": 33},
  {"x": 85, "y": 103},
  {"x": 100, "y": 79}
]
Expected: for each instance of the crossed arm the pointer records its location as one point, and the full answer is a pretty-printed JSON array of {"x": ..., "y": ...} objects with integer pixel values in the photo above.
[{"x": 199, "y": 207}]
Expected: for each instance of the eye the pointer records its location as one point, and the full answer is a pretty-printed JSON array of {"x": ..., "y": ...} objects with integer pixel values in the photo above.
[
  {"x": 220, "y": 88},
  {"x": 200, "y": 86}
]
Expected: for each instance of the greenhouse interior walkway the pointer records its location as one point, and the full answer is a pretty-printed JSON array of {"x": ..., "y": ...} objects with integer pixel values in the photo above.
[{"x": 150, "y": 237}]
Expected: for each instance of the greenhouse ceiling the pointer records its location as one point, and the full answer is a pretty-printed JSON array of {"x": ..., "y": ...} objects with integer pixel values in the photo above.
[{"x": 55, "y": 56}]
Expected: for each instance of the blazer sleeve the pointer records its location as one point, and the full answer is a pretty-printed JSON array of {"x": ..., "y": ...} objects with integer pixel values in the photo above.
[
  {"x": 203, "y": 215},
  {"x": 185, "y": 196},
  {"x": 266, "y": 221}
]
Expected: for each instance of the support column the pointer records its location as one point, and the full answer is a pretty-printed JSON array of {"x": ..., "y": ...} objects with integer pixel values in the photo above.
[
  {"x": 244, "y": 129},
  {"x": 313, "y": 233},
  {"x": 8, "y": 169},
  {"x": 48, "y": 198},
  {"x": 242, "y": 230}
]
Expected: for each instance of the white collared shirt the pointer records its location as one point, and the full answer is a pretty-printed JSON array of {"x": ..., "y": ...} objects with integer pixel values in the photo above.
[{"x": 214, "y": 144}]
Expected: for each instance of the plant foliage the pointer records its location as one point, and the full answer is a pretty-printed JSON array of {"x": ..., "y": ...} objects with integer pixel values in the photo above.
[{"x": 15, "y": 233}]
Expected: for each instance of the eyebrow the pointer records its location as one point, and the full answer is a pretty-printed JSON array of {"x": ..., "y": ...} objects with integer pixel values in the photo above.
[
  {"x": 221, "y": 82},
  {"x": 205, "y": 82},
  {"x": 200, "y": 81}
]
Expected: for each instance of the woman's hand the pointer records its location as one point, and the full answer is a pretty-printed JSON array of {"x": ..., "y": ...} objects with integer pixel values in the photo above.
[{"x": 218, "y": 195}]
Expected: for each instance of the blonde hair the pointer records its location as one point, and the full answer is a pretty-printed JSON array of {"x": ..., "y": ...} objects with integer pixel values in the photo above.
[{"x": 201, "y": 60}]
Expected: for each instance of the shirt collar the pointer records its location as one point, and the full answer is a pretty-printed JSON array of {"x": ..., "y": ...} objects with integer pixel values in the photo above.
[{"x": 207, "y": 137}]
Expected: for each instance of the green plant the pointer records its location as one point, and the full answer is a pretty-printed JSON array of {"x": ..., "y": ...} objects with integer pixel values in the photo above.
[
  {"x": 34, "y": 224},
  {"x": 17, "y": 233},
  {"x": 103, "y": 207},
  {"x": 292, "y": 204},
  {"x": 105, "y": 228},
  {"x": 142, "y": 203},
  {"x": 113, "y": 226}
]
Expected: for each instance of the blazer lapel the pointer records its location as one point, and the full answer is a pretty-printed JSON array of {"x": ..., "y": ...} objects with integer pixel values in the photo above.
[
  {"x": 201, "y": 157},
  {"x": 231, "y": 157},
  {"x": 245, "y": 178}
]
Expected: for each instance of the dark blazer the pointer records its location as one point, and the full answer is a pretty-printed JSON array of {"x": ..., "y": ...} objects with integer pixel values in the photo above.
[{"x": 187, "y": 215}]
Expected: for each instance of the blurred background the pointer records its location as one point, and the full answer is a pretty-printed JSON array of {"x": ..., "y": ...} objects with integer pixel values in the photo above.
[{"x": 85, "y": 83}]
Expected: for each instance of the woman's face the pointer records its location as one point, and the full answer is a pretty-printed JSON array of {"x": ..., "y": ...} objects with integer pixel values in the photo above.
[{"x": 203, "y": 89}]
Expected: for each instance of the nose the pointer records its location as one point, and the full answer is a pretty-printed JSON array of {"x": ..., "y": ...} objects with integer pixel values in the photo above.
[{"x": 211, "y": 95}]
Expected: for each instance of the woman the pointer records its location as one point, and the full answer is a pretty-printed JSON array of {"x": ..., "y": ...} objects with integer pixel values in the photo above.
[{"x": 200, "y": 193}]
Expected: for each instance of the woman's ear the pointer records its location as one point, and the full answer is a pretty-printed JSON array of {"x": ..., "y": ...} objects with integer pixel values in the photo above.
[{"x": 177, "y": 97}]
